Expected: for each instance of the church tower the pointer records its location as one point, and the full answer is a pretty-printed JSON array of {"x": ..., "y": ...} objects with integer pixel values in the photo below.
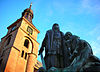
[{"x": 19, "y": 48}]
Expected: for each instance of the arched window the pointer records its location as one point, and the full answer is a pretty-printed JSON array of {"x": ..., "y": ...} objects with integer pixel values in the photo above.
[
  {"x": 26, "y": 43},
  {"x": 26, "y": 16},
  {"x": 22, "y": 54},
  {"x": 8, "y": 41},
  {"x": 29, "y": 17},
  {"x": 25, "y": 55}
]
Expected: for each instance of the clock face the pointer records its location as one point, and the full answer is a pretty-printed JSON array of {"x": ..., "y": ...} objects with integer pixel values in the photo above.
[
  {"x": 30, "y": 30},
  {"x": 13, "y": 28}
]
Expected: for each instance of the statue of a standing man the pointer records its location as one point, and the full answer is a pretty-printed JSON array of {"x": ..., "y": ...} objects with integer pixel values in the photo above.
[{"x": 53, "y": 47}]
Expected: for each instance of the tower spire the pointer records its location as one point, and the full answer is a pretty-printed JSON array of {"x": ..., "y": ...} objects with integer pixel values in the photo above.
[
  {"x": 30, "y": 5},
  {"x": 28, "y": 13}
]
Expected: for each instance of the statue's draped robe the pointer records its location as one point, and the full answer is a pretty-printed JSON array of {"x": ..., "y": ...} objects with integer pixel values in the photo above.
[
  {"x": 69, "y": 46},
  {"x": 53, "y": 43},
  {"x": 83, "y": 52},
  {"x": 80, "y": 52}
]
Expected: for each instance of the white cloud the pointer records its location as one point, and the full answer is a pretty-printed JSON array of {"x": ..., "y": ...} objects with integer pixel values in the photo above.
[
  {"x": 98, "y": 38},
  {"x": 96, "y": 48},
  {"x": 85, "y": 4},
  {"x": 90, "y": 6},
  {"x": 95, "y": 30},
  {"x": 59, "y": 6}
]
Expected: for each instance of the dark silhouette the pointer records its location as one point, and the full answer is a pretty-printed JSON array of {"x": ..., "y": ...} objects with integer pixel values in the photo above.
[
  {"x": 81, "y": 56},
  {"x": 53, "y": 44},
  {"x": 67, "y": 53}
]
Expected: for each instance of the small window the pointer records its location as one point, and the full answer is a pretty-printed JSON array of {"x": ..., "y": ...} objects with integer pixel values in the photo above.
[
  {"x": 1, "y": 61},
  {"x": 3, "y": 53},
  {"x": 13, "y": 28},
  {"x": 26, "y": 43},
  {"x": 25, "y": 55},
  {"x": 26, "y": 15},
  {"x": 29, "y": 17},
  {"x": 22, "y": 54},
  {"x": 8, "y": 41}
]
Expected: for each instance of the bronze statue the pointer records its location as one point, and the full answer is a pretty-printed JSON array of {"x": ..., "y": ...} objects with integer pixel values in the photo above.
[
  {"x": 80, "y": 53},
  {"x": 67, "y": 53},
  {"x": 70, "y": 42},
  {"x": 53, "y": 44}
]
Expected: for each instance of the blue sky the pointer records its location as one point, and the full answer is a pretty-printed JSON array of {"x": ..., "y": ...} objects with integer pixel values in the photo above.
[{"x": 81, "y": 17}]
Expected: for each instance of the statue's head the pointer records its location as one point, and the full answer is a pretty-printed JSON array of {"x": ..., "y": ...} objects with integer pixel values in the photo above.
[
  {"x": 68, "y": 34},
  {"x": 55, "y": 27}
]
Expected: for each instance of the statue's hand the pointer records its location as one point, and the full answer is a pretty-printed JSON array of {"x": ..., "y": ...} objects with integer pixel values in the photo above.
[
  {"x": 40, "y": 51},
  {"x": 75, "y": 53},
  {"x": 39, "y": 54}
]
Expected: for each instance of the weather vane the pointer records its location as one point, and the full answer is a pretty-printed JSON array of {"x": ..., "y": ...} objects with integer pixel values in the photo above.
[{"x": 30, "y": 5}]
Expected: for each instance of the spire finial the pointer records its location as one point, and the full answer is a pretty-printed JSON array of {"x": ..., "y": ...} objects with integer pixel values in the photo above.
[{"x": 30, "y": 5}]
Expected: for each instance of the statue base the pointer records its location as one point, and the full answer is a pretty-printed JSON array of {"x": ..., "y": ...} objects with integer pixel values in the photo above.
[{"x": 54, "y": 69}]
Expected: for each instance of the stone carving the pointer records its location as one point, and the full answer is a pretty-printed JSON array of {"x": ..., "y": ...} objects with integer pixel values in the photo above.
[{"x": 67, "y": 53}]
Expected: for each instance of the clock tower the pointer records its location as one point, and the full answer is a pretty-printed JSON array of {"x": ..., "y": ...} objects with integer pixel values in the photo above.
[{"x": 19, "y": 48}]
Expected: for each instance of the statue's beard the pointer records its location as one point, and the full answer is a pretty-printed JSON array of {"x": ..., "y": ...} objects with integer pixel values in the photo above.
[{"x": 56, "y": 30}]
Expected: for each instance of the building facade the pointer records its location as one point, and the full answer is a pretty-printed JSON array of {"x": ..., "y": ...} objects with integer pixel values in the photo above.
[{"x": 19, "y": 47}]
